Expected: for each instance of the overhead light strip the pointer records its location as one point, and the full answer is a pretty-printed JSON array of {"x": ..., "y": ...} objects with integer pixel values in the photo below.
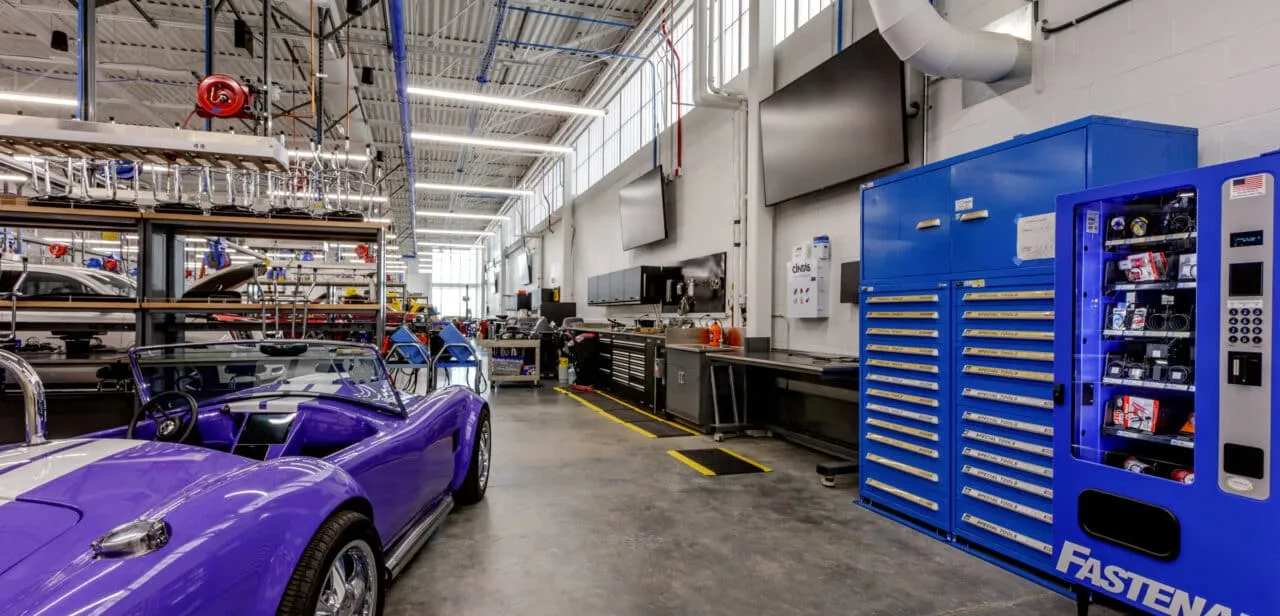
[
  {"x": 440, "y": 245},
  {"x": 453, "y": 232},
  {"x": 504, "y": 101},
  {"x": 493, "y": 143},
  {"x": 485, "y": 190},
  {"x": 424, "y": 214}
]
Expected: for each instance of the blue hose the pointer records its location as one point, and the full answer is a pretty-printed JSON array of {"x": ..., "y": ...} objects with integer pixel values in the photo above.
[{"x": 395, "y": 8}]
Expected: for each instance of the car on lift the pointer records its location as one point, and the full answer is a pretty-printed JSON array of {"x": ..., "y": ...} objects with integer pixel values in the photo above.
[{"x": 259, "y": 477}]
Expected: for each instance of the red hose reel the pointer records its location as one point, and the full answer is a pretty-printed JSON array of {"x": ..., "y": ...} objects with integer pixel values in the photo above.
[{"x": 221, "y": 96}]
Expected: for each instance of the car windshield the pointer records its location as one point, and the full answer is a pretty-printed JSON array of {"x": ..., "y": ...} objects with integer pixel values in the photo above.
[{"x": 228, "y": 371}]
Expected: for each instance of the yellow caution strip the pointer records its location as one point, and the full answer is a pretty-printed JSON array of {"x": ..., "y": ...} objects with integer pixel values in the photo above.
[
  {"x": 597, "y": 409},
  {"x": 690, "y": 463},
  {"x": 747, "y": 460},
  {"x": 650, "y": 415}
]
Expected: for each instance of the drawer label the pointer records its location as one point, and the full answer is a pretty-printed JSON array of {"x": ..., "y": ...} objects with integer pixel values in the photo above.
[
  {"x": 915, "y": 333},
  {"x": 1005, "y": 461},
  {"x": 995, "y": 396},
  {"x": 1039, "y": 450},
  {"x": 1022, "y": 315},
  {"x": 903, "y": 445},
  {"x": 893, "y": 395},
  {"x": 906, "y": 468},
  {"x": 902, "y": 299},
  {"x": 917, "y": 383},
  {"x": 1009, "y": 353},
  {"x": 1008, "y": 482},
  {"x": 905, "y": 350},
  {"x": 992, "y": 296},
  {"x": 1004, "y": 503},
  {"x": 1024, "y": 375},
  {"x": 888, "y": 425},
  {"x": 903, "y": 494},
  {"x": 1007, "y": 334},
  {"x": 889, "y": 410},
  {"x": 902, "y": 365},
  {"x": 902, "y": 315},
  {"x": 1001, "y": 531},
  {"x": 1012, "y": 424}
]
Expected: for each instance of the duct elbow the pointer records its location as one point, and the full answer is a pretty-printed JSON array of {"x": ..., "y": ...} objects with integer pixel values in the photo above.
[
  {"x": 704, "y": 93},
  {"x": 931, "y": 44}
]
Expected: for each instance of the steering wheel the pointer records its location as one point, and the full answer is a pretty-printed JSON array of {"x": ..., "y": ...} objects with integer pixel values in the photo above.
[{"x": 173, "y": 425}]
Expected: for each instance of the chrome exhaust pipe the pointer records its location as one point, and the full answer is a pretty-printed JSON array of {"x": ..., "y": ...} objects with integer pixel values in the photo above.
[{"x": 33, "y": 405}]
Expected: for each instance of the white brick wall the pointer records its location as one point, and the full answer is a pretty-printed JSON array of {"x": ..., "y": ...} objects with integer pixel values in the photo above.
[{"x": 1214, "y": 65}]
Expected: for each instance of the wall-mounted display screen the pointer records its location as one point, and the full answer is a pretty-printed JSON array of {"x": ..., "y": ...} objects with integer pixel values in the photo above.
[
  {"x": 843, "y": 120},
  {"x": 642, "y": 208}
]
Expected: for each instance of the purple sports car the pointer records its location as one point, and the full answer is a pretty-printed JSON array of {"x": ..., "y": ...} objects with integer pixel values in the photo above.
[{"x": 265, "y": 477}]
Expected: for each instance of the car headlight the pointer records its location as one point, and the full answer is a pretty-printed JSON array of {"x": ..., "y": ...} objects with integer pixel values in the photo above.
[{"x": 132, "y": 539}]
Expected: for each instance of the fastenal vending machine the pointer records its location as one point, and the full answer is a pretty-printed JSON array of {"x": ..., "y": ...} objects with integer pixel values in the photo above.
[{"x": 1164, "y": 392}]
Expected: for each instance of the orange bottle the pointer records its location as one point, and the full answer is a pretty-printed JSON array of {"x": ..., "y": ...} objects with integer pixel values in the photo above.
[{"x": 716, "y": 332}]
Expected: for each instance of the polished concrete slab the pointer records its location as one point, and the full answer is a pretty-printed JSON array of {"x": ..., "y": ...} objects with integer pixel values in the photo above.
[{"x": 584, "y": 516}]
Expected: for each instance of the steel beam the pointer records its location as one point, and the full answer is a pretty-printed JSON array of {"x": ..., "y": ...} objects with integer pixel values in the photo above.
[{"x": 87, "y": 60}]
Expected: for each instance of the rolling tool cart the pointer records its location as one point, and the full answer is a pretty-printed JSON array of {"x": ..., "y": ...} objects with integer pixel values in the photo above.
[
  {"x": 1165, "y": 428},
  {"x": 957, "y": 317}
]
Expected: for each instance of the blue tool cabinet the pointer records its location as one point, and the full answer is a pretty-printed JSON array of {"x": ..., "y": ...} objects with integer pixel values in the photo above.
[
  {"x": 1176, "y": 515},
  {"x": 957, "y": 330}
]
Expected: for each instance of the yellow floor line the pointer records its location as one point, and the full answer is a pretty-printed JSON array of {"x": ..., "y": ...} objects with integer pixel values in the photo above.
[
  {"x": 747, "y": 460},
  {"x": 597, "y": 409},
  {"x": 693, "y": 465},
  {"x": 650, "y": 415}
]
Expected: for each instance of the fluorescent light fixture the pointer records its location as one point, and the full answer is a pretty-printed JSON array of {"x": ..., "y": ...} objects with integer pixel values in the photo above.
[
  {"x": 13, "y": 177},
  {"x": 39, "y": 100},
  {"x": 439, "y": 245},
  {"x": 485, "y": 190},
  {"x": 503, "y": 101},
  {"x": 355, "y": 158},
  {"x": 453, "y": 232},
  {"x": 493, "y": 143},
  {"x": 385, "y": 221},
  {"x": 425, "y": 214},
  {"x": 360, "y": 198}
]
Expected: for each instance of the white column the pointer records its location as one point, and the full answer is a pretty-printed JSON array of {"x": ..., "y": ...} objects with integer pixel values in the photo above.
[{"x": 759, "y": 227}]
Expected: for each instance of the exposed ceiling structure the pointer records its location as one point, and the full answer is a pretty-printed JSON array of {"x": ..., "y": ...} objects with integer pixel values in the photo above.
[{"x": 151, "y": 54}]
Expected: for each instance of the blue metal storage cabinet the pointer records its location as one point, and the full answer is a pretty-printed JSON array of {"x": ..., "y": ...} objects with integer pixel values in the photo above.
[{"x": 957, "y": 321}]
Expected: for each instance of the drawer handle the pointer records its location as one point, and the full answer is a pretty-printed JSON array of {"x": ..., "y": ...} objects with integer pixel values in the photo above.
[
  {"x": 928, "y": 224},
  {"x": 976, "y": 215}
]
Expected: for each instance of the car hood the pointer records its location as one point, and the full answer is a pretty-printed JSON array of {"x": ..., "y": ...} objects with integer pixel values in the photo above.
[{"x": 57, "y": 498}]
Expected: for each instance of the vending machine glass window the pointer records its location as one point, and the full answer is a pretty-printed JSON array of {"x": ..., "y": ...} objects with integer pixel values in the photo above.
[{"x": 1134, "y": 320}]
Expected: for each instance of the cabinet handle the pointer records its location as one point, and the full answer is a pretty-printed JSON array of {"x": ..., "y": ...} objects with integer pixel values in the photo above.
[
  {"x": 928, "y": 224},
  {"x": 976, "y": 215},
  {"x": 680, "y": 377}
]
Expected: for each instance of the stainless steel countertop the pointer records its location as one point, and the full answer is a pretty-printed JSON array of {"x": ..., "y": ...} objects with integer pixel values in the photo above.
[
  {"x": 782, "y": 360},
  {"x": 614, "y": 332}
]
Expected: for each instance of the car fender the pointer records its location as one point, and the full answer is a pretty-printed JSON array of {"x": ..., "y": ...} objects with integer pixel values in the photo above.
[
  {"x": 235, "y": 541},
  {"x": 467, "y": 405}
]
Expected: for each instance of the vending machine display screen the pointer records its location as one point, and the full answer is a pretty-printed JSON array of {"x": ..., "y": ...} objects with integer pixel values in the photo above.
[
  {"x": 1245, "y": 279},
  {"x": 1244, "y": 239}
]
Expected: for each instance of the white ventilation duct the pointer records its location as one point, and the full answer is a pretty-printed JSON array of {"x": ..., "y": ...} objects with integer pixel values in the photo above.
[
  {"x": 705, "y": 93},
  {"x": 931, "y": 44}
]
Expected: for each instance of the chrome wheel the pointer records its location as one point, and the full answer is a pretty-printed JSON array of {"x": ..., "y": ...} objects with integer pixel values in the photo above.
[
  {"x": 485, "y": 445},
  {"x": 351, "y": 585}
]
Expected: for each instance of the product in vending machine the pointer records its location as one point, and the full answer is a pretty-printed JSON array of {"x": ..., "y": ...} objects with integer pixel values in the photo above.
[
  {"x": 1190, "y": 426},
  {"x": 1183, "y": 475},
  {"x": 1134, "y": 465}
]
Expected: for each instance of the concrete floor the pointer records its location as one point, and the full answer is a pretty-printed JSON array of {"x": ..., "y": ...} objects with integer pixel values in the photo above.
[{"x": 584, "y": 516}]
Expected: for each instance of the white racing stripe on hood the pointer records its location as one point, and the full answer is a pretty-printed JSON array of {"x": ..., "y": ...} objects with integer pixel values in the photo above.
[
  {"x": 44, "y": 470},
  {"x": 21, "y": 455},
  {"x": 287, "y": 405}
]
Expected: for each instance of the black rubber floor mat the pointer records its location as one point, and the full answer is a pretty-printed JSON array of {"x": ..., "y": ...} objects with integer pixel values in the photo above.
[
  {"x": 660, "y": 429},
  {"x": 627, "y": 415},
  {"x": 720, "y": 461}
]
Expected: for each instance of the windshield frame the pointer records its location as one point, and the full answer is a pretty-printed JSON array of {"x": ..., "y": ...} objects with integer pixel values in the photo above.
[{"x": 144, "y": 389}]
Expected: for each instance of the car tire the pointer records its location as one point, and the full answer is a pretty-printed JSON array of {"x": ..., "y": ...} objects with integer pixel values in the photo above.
[
  {"x": 477, "y": 480},
  {"x": 346, "y": 535}
]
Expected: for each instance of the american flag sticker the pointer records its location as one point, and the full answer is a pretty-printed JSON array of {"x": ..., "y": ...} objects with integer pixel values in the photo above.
[{"x": 1249, "y": 186}]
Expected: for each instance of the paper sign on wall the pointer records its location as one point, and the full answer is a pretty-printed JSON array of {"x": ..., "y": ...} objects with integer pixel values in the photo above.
[{"x": 1035, "y": 237}]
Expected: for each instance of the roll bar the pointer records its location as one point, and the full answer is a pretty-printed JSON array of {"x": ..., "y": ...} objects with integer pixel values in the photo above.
[{"x": 33, "y": 405}]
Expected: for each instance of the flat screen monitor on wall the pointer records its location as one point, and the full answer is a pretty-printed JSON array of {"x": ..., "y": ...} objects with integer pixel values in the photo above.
[
  {"x": 843, "y": 120},
  {"x": 524, "y": 268},
  {"x": 642, "y": 208}
]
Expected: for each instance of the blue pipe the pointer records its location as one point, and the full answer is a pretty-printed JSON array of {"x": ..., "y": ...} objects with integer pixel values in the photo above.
[
  {"x": 839, "y": 26},
  {"x": 498, "y": 22},
  {"x": 653, "y": 72},
  {"x": 395, "y": 8}
]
